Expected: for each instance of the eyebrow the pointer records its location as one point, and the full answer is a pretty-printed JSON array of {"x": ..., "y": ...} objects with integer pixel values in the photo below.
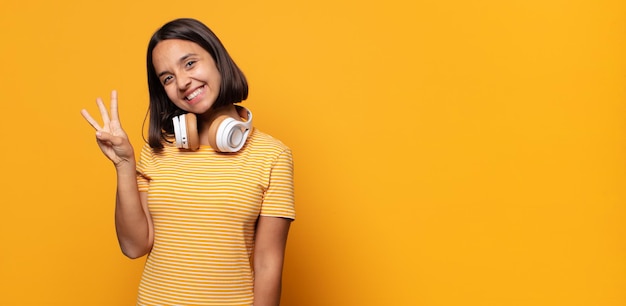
[{"x": 182, "y": 59}]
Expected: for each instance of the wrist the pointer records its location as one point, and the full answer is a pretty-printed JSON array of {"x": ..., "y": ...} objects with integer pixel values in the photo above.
[{"x": 125, "y": 164}]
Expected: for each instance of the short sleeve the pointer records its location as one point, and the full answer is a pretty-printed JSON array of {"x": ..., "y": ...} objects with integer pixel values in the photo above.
[
  {"x": 145, "y": 161},
  {"x": 279, "y": 197}
]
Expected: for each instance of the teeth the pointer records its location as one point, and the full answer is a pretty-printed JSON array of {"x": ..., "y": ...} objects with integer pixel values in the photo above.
[{"x": 194, "y": 94}]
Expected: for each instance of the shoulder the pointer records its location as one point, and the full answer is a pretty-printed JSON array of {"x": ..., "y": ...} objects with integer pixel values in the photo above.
[
  {"x": 260, "y": 140},
  {"x": 146, "y": 151},
  {"x": 266, "y": 149}
]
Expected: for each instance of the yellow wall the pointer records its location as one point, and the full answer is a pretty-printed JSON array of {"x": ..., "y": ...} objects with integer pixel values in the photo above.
[{"x": 447, "y": 152}]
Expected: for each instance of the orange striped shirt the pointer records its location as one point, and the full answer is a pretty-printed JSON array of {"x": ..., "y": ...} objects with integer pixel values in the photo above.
[{"x": 204, "y": 206}]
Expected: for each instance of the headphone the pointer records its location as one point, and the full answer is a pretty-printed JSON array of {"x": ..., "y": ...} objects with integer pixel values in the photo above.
[{"x": 226, "y": 134}]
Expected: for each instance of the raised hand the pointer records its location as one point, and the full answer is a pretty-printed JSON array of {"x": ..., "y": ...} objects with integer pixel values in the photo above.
[{"x": 111, "y": 138}]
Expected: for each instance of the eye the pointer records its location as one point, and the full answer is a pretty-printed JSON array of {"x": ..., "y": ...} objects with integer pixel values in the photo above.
[
  {"x": 190, "y": 64},
  {"x": 168, "y": 79}
]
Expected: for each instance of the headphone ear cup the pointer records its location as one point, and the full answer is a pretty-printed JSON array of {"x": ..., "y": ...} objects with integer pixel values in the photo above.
[
  {"x": 214, "y": 137},
  {"x": 227, "y": 134},
  {"x": 177, "y": 135},
  {"x": 192, "y": 131}
]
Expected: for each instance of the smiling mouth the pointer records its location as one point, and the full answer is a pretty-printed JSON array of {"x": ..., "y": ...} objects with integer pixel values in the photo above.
[{"x": 194, "y": 94}]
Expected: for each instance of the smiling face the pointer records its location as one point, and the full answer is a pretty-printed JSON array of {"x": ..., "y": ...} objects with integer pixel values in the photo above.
[{"x": 188, "y": 74}]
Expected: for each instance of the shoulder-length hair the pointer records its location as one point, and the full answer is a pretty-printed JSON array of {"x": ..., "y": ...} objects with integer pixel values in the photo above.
[{"x": 233, "y": 89}]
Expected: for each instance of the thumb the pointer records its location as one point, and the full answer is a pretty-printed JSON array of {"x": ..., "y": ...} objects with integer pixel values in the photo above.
[
  {"x": 109, "y": 138},
  {"x": 103, "y": 136}
]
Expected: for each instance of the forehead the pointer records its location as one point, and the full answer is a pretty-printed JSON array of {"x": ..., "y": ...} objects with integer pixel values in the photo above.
[{"x": 171, "y": 51}]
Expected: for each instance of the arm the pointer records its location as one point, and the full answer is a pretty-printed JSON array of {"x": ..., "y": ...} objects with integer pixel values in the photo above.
[
  {"x": 133, "y": 223},
  {"x": 269, "y": 253},
  {"x": 132, "y": 219}
]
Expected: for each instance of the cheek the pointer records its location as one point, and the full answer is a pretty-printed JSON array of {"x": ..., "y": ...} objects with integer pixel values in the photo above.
[
  {"x": 214, "y": 76},
  {"x": 171, "y": 93},
  {"x": 217, "y": 80}
]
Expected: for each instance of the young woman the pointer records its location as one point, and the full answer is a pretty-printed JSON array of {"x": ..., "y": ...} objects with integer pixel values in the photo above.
[{"x": 212, "y": 219}]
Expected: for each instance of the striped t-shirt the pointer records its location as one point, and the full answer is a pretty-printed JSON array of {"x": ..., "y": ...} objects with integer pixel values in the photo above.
[{"x": 204, "y": 206}]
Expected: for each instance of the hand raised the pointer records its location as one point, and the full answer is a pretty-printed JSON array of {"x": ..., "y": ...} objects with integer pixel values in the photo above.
[{"x": 111, "y": 138}]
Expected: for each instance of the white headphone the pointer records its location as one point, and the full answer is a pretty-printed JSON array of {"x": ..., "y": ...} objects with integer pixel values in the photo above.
[{"x": 226, "y": 134}]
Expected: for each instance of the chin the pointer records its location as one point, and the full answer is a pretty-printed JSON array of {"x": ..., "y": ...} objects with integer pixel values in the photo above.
[{"x": 201, "y": 107}]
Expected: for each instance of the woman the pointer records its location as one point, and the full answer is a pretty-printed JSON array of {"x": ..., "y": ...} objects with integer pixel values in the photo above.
[{"x": 214, "y": 224}]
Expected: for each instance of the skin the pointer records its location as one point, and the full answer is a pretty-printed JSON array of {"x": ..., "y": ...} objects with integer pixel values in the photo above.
[
  {"x": 133, "y": 222},
  {"x": 192, "y": 82}
]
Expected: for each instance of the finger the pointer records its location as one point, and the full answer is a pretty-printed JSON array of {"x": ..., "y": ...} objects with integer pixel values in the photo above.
[
  {"x": 114, "y": 111},
  {"x": 103, "y": 112},
  {"x": 89, "y": 119},
  {"x": 108, "y": 138},
  {"x": 104, "y": 137},
  {"x": 103, "y": 141}
]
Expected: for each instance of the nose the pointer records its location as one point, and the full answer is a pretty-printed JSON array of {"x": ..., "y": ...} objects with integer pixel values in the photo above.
[{"x": 183, "y": 81}]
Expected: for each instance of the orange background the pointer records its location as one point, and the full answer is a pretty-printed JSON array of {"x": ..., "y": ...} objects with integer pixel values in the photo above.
[{"x": 447, "y": 152}]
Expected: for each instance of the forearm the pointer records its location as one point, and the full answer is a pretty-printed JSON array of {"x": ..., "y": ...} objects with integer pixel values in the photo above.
[
  {"x": 131, "y": 221},
  {"x": 267, "y": 285},
  {"x": 269, "y": 254}
]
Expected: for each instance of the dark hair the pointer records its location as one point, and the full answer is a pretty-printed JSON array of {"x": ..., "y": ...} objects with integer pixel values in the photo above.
[{"x": 233, "y": 89}]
